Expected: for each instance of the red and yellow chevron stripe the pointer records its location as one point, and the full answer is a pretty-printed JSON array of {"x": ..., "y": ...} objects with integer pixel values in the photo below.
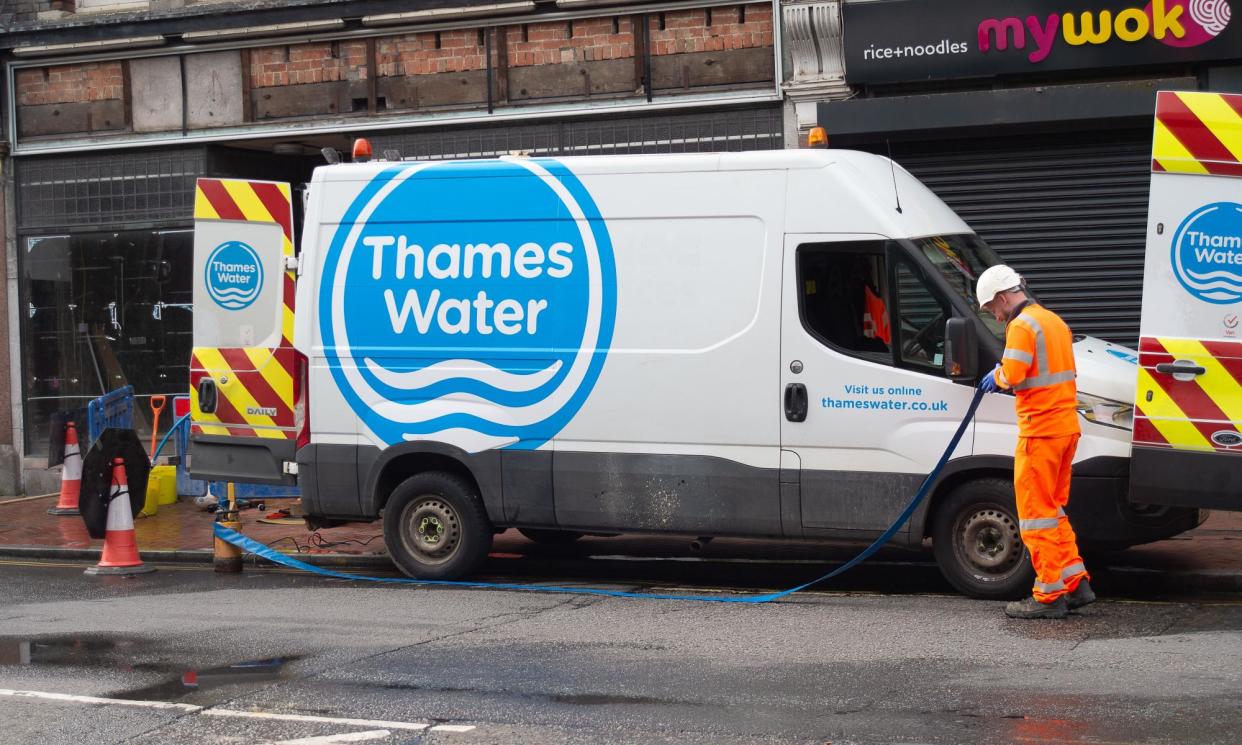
[
  {"x": 1198, "y": 133},
  {"x": 255, "y": 384},
  {"x": 1202, "y": 413}
]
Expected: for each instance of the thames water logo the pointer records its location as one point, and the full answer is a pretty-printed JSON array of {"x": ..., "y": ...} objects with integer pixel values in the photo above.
[
  {"x": 1207, "y": 253},
  {"x": 234, "y": 275},
  {"x": 471, "y": 303}
]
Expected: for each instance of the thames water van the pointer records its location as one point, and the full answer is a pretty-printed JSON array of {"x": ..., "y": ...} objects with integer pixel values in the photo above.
[
  {"x": 773, "y": 344},
  {"x": 1188, "y": 427}
]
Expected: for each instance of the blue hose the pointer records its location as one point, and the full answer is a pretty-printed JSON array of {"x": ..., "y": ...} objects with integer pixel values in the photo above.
[
  {"x": 168, "y": 434},
  {"x": 258, "y": 549}
]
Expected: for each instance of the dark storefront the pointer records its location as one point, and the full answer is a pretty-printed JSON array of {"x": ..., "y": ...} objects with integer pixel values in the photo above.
[
  {"x": 105, "y": 255},
  {"x": 1038, "y": 136}
]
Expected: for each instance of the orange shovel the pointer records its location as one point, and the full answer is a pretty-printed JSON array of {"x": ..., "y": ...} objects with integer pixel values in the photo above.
[{"x": 157, "y": 408}]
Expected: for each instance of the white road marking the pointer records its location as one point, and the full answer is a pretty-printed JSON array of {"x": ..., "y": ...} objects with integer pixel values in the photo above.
[
  {"x": 411, "y": 726},
  {"x": 69, "y": 698},
  {"x": 374, "y": 734},
  {"x": 233, "y": 713}
]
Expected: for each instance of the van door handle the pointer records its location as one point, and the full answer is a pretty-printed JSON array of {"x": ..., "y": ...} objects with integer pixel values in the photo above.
[
  {"x": 207, "y": 396},
  {"x": 795, "y": 402},
  {"x": 1181, "y": 367}
]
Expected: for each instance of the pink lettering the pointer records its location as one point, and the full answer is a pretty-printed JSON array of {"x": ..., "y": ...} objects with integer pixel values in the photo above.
[{"x": 1044, "y": 36}]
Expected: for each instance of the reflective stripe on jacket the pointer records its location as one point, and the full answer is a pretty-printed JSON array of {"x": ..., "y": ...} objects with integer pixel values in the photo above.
[{"x": 1038, "y": 364}]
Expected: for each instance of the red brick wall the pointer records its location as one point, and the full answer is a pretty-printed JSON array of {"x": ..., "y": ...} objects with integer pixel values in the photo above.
[
  {"x": 99, "y": 81},
  {"x": 550, "y": 43},
  {"x": 308, "y": 63},
  {"x": 686, "y": 31},
  {"x": 416, "y": 54}
]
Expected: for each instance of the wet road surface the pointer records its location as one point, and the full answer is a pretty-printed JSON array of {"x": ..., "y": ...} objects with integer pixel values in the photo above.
[{"x": 272, "y": 656}]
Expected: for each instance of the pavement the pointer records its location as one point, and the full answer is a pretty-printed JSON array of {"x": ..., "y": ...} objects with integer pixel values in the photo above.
[{"x": 1207, "y": 559}]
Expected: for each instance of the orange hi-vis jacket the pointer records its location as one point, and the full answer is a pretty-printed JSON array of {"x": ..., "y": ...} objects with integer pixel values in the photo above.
[
  {"x": 875, "y": 318},
  {"x": 1038, "y": 365}
]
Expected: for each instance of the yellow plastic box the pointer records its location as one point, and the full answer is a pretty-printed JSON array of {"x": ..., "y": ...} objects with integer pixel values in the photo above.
[{"x": 162, "y": 485}]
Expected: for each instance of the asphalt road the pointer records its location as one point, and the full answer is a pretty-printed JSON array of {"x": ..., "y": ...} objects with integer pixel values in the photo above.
[{"x": 238, "y": 656}]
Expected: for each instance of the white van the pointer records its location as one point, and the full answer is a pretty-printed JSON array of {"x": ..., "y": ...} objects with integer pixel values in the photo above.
[{"x": 710, "y": 345}]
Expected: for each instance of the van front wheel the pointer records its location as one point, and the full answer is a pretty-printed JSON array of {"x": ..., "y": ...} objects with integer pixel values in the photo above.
[
  {"x": 435, "y": 526},
  {"x": 977, "y": 544}
]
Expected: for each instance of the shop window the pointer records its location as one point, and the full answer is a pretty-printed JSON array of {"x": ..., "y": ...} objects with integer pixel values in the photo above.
[
  {"x": 844, "y": 297},
  {"x": 102, "y": 311}
]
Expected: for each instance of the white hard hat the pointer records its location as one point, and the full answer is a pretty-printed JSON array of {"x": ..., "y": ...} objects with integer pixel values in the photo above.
[{"x": 994, "y": 281}]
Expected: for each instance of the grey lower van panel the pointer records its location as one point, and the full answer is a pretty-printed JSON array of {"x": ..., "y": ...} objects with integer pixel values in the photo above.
[
  {"x": 855, "y": 500},
  {"x": 665, "y": 493},
  {"x": 247, "y": 460},
  {"x": 328, "y": 476}
]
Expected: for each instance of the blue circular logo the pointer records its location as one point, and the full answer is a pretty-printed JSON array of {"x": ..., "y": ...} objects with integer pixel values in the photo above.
[
  {"x": 469, "y": 302},
  {"x": 234, "y": 275},
  {"x": 1207, "y": 253}
]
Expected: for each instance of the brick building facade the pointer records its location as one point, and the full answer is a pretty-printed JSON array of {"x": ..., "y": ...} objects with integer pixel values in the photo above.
[{"x": 113, "y": 107}]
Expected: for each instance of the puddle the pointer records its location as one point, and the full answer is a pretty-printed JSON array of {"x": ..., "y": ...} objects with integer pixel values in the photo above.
[
  {"x": 193, "y": 681},
  {"x": 114, "y": 653},
  {"x": 131, "y": 654}
]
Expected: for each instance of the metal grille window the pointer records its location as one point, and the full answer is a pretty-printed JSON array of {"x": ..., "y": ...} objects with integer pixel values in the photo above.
[
  {"x": 723, "y": 130},
  {"x": 102, "y": 311},
  {"x": 107, "y": 190}
]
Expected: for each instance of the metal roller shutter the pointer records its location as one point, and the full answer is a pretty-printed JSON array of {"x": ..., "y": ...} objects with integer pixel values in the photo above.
[{"x": 1069, "y": 212}]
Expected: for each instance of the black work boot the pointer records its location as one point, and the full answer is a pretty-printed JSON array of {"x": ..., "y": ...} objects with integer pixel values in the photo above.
[
  {"x": 1032, "y": 608},
  {"x": 1081, "y": 596}
]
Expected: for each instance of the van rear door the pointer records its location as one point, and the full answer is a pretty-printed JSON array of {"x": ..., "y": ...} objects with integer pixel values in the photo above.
[
  {"x": 1187, "y": 441},
  {"x": 243, "y": 364}
]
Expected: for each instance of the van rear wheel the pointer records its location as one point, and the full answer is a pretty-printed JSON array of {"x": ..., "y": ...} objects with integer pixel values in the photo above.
[
  {"x": 977, "y": 543},
  {"x": 435, "y": 526}
]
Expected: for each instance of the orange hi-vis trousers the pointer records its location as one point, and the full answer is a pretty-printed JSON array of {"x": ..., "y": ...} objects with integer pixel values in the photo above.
[{"x": 1041, "y": 481}]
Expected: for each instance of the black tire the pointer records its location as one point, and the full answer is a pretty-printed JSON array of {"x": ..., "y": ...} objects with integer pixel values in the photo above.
[
  {"x": 435, "y": 526},
  {"x": 550, "y": 537},
  {"x": 977, "y": 543}
]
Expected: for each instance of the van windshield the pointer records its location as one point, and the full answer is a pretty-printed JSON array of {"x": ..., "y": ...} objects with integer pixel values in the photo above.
[{"x": 960, "y": 259}]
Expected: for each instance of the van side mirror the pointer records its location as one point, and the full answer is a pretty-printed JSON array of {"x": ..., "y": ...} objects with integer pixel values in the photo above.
[{"x": 961, "y": 349}]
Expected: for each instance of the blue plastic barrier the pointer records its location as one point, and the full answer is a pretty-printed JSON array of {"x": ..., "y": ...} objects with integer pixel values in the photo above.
[
  {"x": 113, "y": 409},
  {"x": 186, "y": 486}
]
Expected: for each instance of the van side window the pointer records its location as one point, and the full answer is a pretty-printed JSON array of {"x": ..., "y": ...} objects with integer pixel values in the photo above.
[
  {"x": 844, "y": 297},
  {"x": 921, "y": 322}
]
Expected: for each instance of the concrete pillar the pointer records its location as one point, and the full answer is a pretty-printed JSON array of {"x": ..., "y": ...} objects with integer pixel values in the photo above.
[
  {"x": 10, "y": 433},
  {"x": 815, "y": 71}
]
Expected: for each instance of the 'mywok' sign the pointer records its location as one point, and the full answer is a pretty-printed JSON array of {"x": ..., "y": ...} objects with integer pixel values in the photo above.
[{"x": 910, "y": 40}]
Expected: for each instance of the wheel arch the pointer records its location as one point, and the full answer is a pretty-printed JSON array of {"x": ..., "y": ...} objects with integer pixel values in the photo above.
[
  {"x": 956, "y": 473},
  {"x": 399, "y": 462}
]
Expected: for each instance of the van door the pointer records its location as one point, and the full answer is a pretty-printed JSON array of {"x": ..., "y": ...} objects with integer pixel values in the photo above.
[
  {"x": 866, "y": 408},
  {"x": 242, "y": 368},
  {"x": 1187, "y": 447}
]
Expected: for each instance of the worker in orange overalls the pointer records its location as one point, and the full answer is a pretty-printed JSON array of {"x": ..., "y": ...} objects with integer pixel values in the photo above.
[{"x": 1038, "y": 366}]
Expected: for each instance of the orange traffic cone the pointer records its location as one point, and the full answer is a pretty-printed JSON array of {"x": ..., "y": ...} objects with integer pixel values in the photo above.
[
  {"x": 70, "y": 475},
  {"x": 120, "y": 551}
]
